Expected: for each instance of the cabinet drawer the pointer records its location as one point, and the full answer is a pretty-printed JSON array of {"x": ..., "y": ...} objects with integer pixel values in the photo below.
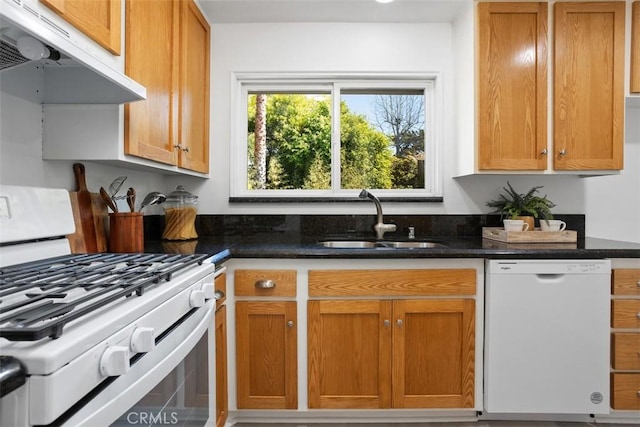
[
  {"x": 625, "y": 313},
  {"x": 625, "y": 351},
  {"x": 220, "y": 285},
  {"x": 392, "y": 282},
  {"x": 625, "y": 281},
  {"x": 625, "y": 391},
  {"x": 265, "y": 283}
]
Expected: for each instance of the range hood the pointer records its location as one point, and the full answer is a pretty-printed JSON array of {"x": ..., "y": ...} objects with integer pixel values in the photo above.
[{"x": 71, "y": 73}]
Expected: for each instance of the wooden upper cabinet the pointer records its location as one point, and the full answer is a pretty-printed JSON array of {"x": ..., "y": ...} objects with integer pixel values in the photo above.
[
  {"x": 193, "y": 140},
  {"x": 151, "y": 40},
  {"x": 167, "y": 50},
  {"x": 98, "y": 19},
  {"x": 512, "y": 81},
  {"x": 635, "y": 48},
  {"x": 589, "y": 85}
]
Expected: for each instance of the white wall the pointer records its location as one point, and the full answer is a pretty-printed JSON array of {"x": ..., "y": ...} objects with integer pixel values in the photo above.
[{"x": 331, "y": 47}]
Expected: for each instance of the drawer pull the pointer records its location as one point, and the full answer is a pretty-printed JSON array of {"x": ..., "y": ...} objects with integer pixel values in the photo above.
[
  {"x": 638, "y": 315},
  {"x": 218, "y": 295},
  {"x": 265, "y": 284},
  {"x": 638, "y": 283}
]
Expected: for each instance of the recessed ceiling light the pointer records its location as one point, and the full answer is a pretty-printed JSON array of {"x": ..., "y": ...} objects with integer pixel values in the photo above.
[{"x": 384, "y": 1}]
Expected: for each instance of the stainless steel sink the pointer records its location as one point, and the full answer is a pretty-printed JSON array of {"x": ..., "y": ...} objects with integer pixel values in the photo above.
[
  {"x": 413, "y": 245},
  {"x": 385, "y": 244},
  {"x": 348, "y": 244}
]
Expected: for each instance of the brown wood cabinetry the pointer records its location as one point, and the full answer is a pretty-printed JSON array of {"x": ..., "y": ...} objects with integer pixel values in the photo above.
[
  {"x": 266, "y": 340},
  {"x": 635, "y": 48},
  {"x": 98, "y": 19},
  {"x": 400, "y": 353},
  {"x": 625, "y": 344},
  {"x": 222, "y": 386},
  {"x": 588, "y": 86},
  {"x": 588, "y": 105},
  {"x": 167, "y": 50},
  {"x": 512, "y": 86}
]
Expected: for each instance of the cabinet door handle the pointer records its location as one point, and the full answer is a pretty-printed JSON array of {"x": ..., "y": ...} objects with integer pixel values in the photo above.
[
  {"x": 218, "y": 295},
  {"x": 265, "y": 284},
  {"x": 177, "y": 147},
  {"x": 386, "y": 323},
  {"x": 185, "y": 149},
  {"x": 544, "y": 151},
  {"x": 562, "y": 152},
  {"x": 290, "y": 324},
  {"x": 399, "y": 322}
]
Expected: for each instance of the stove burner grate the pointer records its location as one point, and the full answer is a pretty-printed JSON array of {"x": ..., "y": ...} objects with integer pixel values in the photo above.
[{"x": 37, "y": 299}]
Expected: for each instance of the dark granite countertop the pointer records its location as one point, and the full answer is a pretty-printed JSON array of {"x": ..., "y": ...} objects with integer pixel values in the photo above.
[{"x": 274, "y": 245}]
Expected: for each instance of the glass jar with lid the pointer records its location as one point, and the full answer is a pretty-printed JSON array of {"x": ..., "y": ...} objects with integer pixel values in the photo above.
[{"x": 180, "y": 210}]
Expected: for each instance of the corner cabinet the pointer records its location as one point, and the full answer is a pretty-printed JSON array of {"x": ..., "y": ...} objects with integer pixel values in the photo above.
[
  {"x": 167, "y": 50},
  {"x": 391, "y": 353},
  {"x": 98, "y": 19},
  {"x": 513, "y": 117}
]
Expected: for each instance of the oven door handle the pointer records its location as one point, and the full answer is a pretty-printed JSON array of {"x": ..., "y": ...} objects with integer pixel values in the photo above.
[
  {"x": 13, "y": 375},
  {"x": 116, "y": 399}
]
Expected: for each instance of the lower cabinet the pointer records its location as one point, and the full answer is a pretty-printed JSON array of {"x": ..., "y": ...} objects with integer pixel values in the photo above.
[
  {"x": 222, "y": 400},
  {"x": 625, "y": 339},
  {"x": 266, "y": 339},
  {"x": 395, "y": 352}
]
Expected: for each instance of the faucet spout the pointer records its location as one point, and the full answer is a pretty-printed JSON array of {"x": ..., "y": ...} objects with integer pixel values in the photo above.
[{"x": 379, "y": 227}]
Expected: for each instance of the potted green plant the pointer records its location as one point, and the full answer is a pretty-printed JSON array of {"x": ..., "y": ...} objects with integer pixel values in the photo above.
[{"x": 525, "y": 206}]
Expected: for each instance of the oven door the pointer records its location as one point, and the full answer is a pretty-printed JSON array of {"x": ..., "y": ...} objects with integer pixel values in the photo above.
[{"x": 174, "y": 384}]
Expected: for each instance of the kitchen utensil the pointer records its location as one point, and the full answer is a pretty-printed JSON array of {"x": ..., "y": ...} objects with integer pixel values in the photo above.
[
  {"x": 108, "y": 200},
  {"x": 131, "y": 199},
  {"x": 90, "y": 216},
  {"x": 152, "y": 198},
  {"x": 115, "y": 186}
]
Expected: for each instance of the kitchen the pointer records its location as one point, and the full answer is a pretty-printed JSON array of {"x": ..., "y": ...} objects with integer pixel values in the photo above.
[{"x": 243, "y": 39}]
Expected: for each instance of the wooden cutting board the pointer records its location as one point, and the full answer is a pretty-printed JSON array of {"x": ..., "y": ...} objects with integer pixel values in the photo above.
[{"x": 90, "y": 217}]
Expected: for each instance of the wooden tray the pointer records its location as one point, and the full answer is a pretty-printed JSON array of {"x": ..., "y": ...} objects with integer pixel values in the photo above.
[{"x": 536, "y": 236}]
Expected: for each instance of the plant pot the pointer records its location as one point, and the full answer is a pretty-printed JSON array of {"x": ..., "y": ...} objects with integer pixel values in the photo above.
[{"x": 529, "y": 220}]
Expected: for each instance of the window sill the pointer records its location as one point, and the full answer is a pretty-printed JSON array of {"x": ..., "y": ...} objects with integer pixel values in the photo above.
[{"x": 333, "y": 200}]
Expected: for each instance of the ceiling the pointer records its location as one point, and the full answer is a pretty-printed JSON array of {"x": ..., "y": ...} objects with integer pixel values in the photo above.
[{"x": 405, "y": 11}]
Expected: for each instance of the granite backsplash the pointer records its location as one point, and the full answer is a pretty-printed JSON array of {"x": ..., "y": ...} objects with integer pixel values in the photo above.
[{"x": 325, "y": 225}]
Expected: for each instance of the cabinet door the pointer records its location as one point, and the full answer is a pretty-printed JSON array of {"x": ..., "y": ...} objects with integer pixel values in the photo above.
[
  {"x": 512, "y": 81},
  {"x": 349, "y": 354},
  {"x": 151, "y": 58},
  {"x": 589, "y": 85},
  {"x": 193, "y": 140},
  {"x": 635, "y": 48},
  {"x": 222, "y": 401},
  {"x": 98, "y": 19},
  {"x": 266, "y": 348},
  {"x": 433, "y": 353}
]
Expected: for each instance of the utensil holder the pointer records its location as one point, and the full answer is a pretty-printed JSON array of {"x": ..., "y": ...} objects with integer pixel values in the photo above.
[{"x": 126, "y": 232}]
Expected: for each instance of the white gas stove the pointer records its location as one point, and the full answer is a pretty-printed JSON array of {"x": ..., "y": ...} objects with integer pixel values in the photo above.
[{"x": 83, "y": 337}]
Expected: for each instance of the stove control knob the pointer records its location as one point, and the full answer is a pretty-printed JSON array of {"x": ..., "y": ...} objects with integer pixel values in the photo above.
[
  {"x": 114, "y": 361},
  {"x": 209, "y": 290},
  {"x": 142, "y": 340},
  {"x": 196, "y": 298}
]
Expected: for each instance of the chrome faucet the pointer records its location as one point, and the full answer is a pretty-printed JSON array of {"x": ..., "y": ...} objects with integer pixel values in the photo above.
[{"x": 380, "y": 227}]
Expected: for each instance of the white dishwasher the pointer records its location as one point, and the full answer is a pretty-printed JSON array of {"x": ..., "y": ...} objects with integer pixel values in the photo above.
[{"x": 547, "y": 336}]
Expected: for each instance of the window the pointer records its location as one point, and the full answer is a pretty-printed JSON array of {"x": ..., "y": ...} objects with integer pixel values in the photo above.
[{"x": 303, "y": 137}]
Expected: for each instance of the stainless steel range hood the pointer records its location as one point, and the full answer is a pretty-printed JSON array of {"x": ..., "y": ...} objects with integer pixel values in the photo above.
[{"x": 78, "y": 76}]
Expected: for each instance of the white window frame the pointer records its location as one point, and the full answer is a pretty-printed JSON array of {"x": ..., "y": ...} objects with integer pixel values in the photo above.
[{"x": 244, "y": 83}]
